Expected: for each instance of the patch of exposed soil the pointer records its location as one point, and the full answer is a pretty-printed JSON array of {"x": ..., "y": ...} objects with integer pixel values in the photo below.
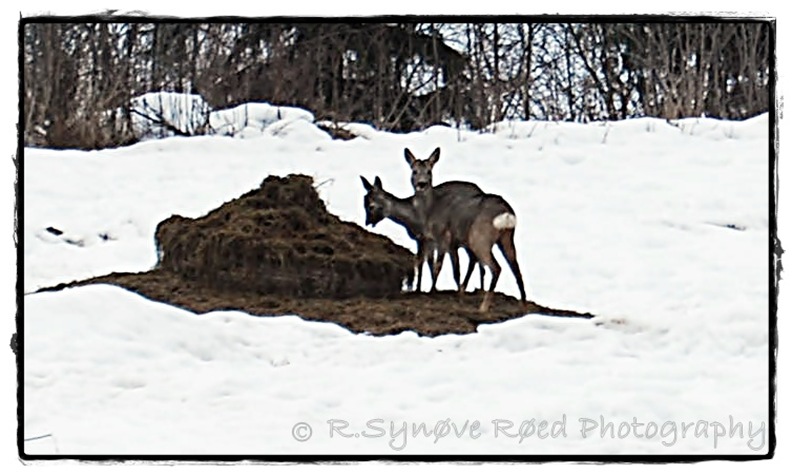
[
  {"x": 428, "y": 314},
  {"x": 276, "y": 250}
]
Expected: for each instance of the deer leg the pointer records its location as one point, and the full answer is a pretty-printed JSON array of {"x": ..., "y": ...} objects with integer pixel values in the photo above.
[
  {"x": 419, "y": 267},
  {"x": 471, "y": 264},
  {"x": 495, "y": 269},
  {"x": 419, "y": 261},
  {"x": 506, "y": 246},
  {"x": 431, "y": 260},
  {"x": 437, "y": 267},
  {"x": 454, "y": 254},
  {"x": 481, "y": 244},
  {"x": 443, "y": 246}
]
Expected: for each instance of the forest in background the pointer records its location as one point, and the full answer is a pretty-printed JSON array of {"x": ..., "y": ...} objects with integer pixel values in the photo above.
[{"x": 79, "y": 80}]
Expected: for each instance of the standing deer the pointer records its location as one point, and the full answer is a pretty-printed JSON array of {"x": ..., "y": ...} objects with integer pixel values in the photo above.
[
  {"x": 380, "y": 204},
  {"x": 476, "y": 222}
]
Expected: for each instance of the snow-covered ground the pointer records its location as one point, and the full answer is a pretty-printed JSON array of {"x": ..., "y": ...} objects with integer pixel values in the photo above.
[
  {"x": 157, "y": 114},
  {"x": 659, "y": 229}
]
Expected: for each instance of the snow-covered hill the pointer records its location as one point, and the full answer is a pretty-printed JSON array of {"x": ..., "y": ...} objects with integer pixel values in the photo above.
[{"x": 660, "y": 229}]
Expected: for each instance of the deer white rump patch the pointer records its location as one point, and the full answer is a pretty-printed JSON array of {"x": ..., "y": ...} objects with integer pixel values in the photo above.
[{"x": 505, "y": 221}]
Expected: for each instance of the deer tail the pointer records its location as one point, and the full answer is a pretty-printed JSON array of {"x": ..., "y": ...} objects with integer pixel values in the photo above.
[{"x": 507, "y": 220}]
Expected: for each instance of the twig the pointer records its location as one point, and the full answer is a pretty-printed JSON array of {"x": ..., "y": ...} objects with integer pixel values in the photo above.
[
  {"x": 162, "y": 122},
  {"x": 328, "y": 180}
]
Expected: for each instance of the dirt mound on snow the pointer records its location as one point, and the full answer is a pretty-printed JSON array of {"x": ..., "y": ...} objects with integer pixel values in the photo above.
[
  {"x": 280, "y": 239},
  {"x": 428, "y": 314},
  {"x": 277, "y": 251}
]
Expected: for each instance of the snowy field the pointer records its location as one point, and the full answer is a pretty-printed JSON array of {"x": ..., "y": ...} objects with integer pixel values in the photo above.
[{"x": 660, "y": 229}]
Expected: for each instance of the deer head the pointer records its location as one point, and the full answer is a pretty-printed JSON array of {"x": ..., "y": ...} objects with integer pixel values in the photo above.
[
  {"x": 421, "y": 169},
  {"x": 375, "y": 201}
]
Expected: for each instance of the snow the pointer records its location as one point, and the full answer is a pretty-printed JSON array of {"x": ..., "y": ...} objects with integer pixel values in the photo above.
[
  {"x": 253, "y": 118},
  {"x": 153, "y": 110},
  {"x": 660, "y": 229}
]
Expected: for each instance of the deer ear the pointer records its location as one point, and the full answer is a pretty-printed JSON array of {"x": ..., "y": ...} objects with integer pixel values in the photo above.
[
  {"x": 366, "y": 184},
  {"x": 378, "y": 182},
  {"x": 434, "y": 156},
  {"x": 409, "y": 156}
]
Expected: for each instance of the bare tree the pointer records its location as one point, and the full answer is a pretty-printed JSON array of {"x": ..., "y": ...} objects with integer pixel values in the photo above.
[{"x": 398, "y": 76}]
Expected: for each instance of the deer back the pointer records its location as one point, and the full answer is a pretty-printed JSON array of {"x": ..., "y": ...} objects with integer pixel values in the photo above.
[{"x": 450, "y": 207}]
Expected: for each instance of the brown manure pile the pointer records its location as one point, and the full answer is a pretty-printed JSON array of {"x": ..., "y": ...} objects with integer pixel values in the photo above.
[{"x": 280, "y": 239}]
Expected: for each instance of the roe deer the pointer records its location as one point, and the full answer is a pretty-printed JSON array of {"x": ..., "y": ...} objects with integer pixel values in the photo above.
[
  {"x": 476, "y": 222},
  {"x": 380, "y": 204}
]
